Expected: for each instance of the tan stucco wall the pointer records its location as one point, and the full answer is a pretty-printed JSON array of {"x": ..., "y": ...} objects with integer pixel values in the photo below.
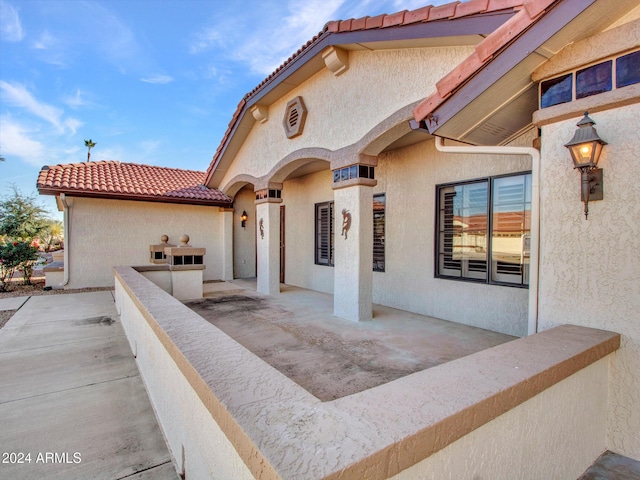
[
  {"x": 409, "y": 176},
  {"x": 300, "y": 196},
  {"x": 108, "y": 233},
  {"x": 334, "y": 120},
  {"x": 590, "y": 269},
  {"x": 568, "y": 418},
  {"x": 244, "y": 239}
]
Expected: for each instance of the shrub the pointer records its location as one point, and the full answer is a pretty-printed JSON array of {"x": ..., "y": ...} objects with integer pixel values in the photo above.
[{"x": 13, "y": 256}]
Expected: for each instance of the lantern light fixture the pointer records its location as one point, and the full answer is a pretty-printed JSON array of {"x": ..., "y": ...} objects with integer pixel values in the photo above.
[
  {"x": 244, "y": 217},
  {"x": 585, "y": 148}
]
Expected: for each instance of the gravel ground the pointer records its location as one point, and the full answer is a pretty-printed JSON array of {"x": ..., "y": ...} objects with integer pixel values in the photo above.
[{"x": 37, "y": 288}]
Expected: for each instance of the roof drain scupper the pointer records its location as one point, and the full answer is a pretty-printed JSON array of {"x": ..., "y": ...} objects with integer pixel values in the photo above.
[{"x": 535, "y": 212}]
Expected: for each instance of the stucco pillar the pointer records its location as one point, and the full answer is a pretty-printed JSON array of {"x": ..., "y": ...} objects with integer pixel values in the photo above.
[
  {"x": 353, "y": 251},
  {"x": 268, "y": 245},
  {"x": 227, "y": 242}
]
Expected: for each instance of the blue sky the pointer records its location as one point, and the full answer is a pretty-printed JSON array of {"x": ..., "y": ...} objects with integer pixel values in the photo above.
[{"x": 150, "y": 81}]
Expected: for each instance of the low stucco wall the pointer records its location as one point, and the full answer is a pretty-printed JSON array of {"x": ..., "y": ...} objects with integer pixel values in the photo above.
[
  {"x": 108, "y": 233},
  {"x": 531, "y": 408}
]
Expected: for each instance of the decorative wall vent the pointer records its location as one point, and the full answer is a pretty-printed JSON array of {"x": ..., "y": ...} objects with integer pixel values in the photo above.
[{"x": 294, "y": 116}]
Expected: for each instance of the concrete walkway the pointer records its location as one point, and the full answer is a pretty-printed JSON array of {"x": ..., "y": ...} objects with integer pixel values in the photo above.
[{"x": 72, "y": 404}]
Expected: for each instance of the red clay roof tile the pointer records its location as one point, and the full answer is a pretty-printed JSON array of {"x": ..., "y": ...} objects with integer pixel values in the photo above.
[
  {"x": 114, "y": 179},
  {"x": 419, "y": 15},
  {"x": 528, "y": 11},
  {"x": 448, "y": 10},
  {"x": 359, "y": 23},
  {"x": 394, "y": 19},
  {"x": 375, "y": 22},
  {"x": 471, "y": 7},
  {"x": 428, "y": 13}
]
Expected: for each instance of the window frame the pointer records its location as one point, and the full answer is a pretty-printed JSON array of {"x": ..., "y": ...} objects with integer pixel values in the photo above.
[
  {"x": 575, "y": 72},
  {"x": 316, "y": 252},
  {"x": 384, "y": 234},
  {"x": 488, "y": 278}
]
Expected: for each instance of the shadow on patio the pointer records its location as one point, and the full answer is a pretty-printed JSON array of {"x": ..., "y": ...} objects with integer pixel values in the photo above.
[{"x": 297, "y": 333}]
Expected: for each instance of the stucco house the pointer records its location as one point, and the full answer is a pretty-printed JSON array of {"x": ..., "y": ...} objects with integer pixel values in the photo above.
[
  {"x": 417, "y": 160},
  {"x": 113, "y": 212}
]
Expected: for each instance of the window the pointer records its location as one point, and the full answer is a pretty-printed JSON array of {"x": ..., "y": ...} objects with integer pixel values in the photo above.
[
  {"x": 324, "y": 234},
  {"x": 555, "y": 91},
  {"x": 591, "y": 80},
  {"x": 483, "y": 230},
  {"x": 628, "y": 69},
  {"x": 379, "y": 203}
]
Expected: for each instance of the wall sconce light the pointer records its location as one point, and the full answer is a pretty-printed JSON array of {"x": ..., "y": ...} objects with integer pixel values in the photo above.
[
  {"x": 585, "y": 148},
  {"x": 244, "y": 217}
]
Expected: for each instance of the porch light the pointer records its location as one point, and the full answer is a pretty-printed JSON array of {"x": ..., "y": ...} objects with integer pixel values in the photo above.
[
  {"x": 585, "y": 148},
  {"x": 244, "y": 217}
]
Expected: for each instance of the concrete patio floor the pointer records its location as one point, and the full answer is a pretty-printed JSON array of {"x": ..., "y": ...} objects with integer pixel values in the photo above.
[
  {"x": 72, "y": 402},
  {"x": 297, "y": 333}
]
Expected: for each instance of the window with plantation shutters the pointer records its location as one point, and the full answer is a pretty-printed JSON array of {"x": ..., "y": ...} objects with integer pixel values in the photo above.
[
  {"x": 463, "y": 230},
  {"x": 510, "y": 232},
  {"x": 324, "y": 234},
  {"x": 485, "y": 223},
  {"x": 379, "y": 205}
]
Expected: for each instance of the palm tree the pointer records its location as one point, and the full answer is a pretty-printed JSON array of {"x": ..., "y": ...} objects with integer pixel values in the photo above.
[{"x": 89, "y": 144}]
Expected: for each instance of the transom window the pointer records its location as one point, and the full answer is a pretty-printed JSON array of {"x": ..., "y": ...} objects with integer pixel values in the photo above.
[
  {"x": 483, "y": 230},
  {"x": 591, "y": 80}
]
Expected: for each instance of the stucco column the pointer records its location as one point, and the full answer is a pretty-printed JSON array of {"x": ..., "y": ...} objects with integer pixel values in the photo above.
[
  {"x": 227, "y": 242},
  {"x": 268, "y": 245},
  {"x": 353, "y": 251}
]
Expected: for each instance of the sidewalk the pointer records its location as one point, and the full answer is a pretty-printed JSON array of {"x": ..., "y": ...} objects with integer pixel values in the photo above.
[{"x": 72, "y": 404}]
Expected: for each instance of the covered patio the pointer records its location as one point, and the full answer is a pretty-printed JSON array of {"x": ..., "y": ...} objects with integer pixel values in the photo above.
[{"x": 297, "y": 333}]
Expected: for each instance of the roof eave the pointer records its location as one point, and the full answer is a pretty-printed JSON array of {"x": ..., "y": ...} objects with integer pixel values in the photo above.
[
  {"x": 458, "y": 116},
  {"x": 133, "y": 197},
  {"x": 468, "y": 26}
]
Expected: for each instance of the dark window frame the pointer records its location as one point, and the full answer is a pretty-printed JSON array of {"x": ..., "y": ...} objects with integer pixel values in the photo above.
[
  {"x": 379, "y": 237},
  {"x": 319, "y": 258},
  {"x": 489, "y": 263}
]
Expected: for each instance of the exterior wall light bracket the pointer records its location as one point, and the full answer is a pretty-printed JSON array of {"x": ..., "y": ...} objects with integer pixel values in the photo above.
[
  {"x": 585, "y": 148},
  {"x": 244, "y": 217}
]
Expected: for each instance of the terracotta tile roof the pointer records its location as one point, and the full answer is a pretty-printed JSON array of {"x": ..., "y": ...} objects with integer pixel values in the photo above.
[
  {"x": 485, "y": 51},
  {"x": 113, "y": 179},
  {"x": 425, "y": 14}
]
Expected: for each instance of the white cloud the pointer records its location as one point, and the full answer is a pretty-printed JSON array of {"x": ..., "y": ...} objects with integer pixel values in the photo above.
[
  {"x": 158, "y": 79},
  {"x": 45, "y": 42},
  {"x": 205, "y": 40},
  {"x": 73, "y": 125},
  {"x": 17, "y": 95},
  {"x": 76, "y": 100},
  {"x": 16, "y": 140},
  {"x": 10, "y": 25},
  {"x": 266, "y": 36}
]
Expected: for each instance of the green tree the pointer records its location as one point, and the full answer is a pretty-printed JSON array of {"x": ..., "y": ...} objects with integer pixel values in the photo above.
[
  {"x": 14, "y": 256},
  {"x": 22, "y": 220},
  {"x": 89, "y": 144}
]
